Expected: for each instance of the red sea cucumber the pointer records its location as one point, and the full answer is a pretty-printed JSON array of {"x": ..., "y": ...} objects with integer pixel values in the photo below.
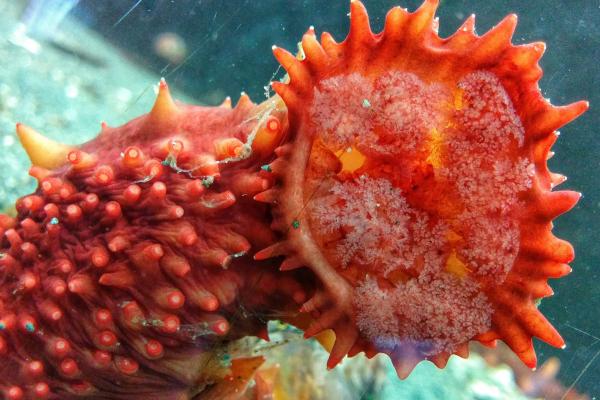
[
  {"x": 130, "y": 260},
  {"x": 400, "y": 177}
]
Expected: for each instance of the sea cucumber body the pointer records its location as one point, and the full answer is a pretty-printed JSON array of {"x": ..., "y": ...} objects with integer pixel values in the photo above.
[
  {"x": 416, "y": 187},
  {"x": 130, "y": 261}
]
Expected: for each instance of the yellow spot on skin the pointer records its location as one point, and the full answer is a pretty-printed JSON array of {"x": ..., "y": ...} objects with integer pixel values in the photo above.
[
  {"x": 455, "y": 266},
  {"x": 326, "y": 339},
  {"x": 351, "y": 159},
  {"x": 458, "y": 99},
  {"x": 435, "y": 149}
]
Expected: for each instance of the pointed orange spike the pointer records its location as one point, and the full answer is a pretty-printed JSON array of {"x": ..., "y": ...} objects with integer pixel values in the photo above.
[
  {"x": 164, "y": 108},
  {"x": 526, "y": 319},
  {"x": 268, "y": 196},
  {"x": 462, "y": 350},
  {"x": 343, "y": 343},
  {"x": 42, "y": 152},
  {"x": 315, "y": 55},
  {"x": 440, "y": 360},
  {"x": 511, "y": 332},
  {"x": 291, "y": 263},
  {"x": 226, "y": 103},
  {"x": 554, "y": 117},
  {"x": 404, "y": 366},
  {"x": 360, "y": 29},
  {"x": 465, "y": 35},
  {"x": 541, "y": 244},
  {"x": 274, "y": 250},
  {"x": 528, "y": 357},
  {"x": 122, "y": 279},
  {"x": 497, "y": 39},
  {"x": 285, "y": 92},
  {"x": 468, "y": 25},
  {"x": 297, "y": 72},
  {"x": 536, "y": 324},
  {"x": 423, "y": 19},
  {"x": 243, "y": 101},
  {"x": 536, "y": 287},
  {"x": 554, "y": 204},
  {"x": 557, "y": 179},
  {"x": 395, "y": 21},
  {"x": 554, "y": 270},
  {"x": 529, "y": 54},
  {"x": 311, "y": 31},
  {"x": 330, "y": 46}
]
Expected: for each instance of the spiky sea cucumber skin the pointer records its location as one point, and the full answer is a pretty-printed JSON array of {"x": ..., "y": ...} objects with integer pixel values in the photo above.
[
  {"x": 416, "y": 188},
  {"x": 132, "y": 259}
]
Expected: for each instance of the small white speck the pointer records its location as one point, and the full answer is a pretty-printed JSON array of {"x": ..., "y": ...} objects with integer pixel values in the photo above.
[
  {"x": 71, "y": 91},
  {"x": 8, "y": 141}
]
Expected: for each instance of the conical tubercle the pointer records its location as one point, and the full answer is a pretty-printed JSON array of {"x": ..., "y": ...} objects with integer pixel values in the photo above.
[
  {"x": 42, "y": 151},
  {"x": 164, "y": 108}
]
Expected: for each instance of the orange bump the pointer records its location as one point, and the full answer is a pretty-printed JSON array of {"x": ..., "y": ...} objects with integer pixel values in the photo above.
[
  {"x": 133, "y": 157},
  {"x": 14, "y": 393},
  {"x": 132, "y": 193},
  {"x": 158, "y": 190},
  {"x": 113, "y": 209},
  {"x": 59, "y": 348},
  {"x": 170, "y": 323},
  {"x": 221, "y": 327},
  {"x": 90, "y": 202},
  {"x": 106, "y": 338},
  {"x": 102, "y": 358},
  {"x": 126, "y": 365},
  {"x": 34, "y": 368},
  {"x": 103, "y": 318},
  {"x": 69, "y": 367},
  {"x": 153, "y": 168},
  {"x": 73, "y": 212},
  {"x": 175, "y": 299},
  {"x": 226, "y": 148},
  {"x": 41, "y": 390},
  {"x": 100, "y": 257},
  {"x": 80, "y": 159},
  {"x": 154, "y": 349},
  {"x": 154, "y": 251},
  {"x": 104, "y": 175}
]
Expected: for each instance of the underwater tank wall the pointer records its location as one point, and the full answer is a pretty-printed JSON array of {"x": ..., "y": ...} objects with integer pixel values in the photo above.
[{"x": 103, "y": 61}]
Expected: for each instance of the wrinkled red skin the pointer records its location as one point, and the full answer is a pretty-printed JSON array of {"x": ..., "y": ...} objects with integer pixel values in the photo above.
[{"x": 88, "y": 240}]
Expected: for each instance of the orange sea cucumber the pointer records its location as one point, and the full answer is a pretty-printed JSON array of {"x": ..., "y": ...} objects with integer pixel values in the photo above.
[{"x": 414, "y": 184}]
